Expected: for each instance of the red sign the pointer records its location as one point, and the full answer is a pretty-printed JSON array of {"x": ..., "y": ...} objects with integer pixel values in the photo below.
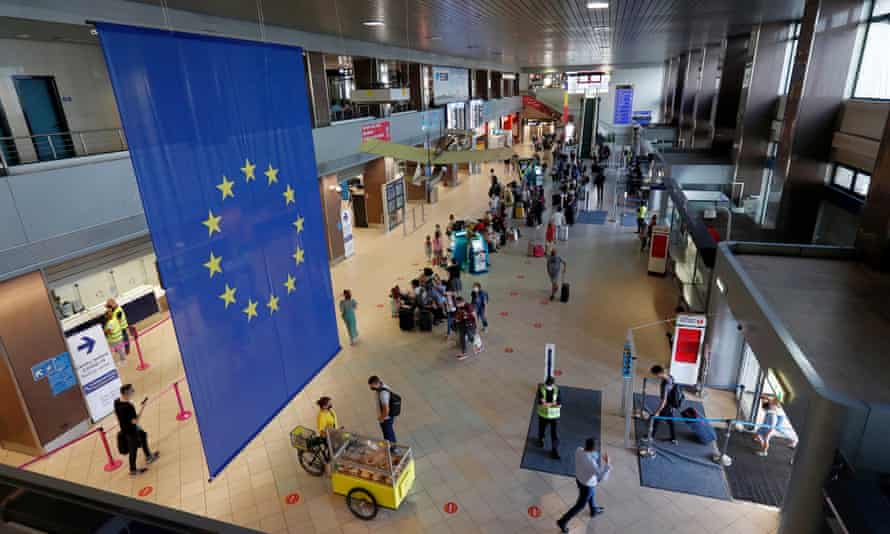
[
  {"x": 292, "y": 498},
  {"x": 146, "y": 491},
  {"x": 659, "y": 245},
  {"x": 377, "y": 130},
  {"x": 534, "y": 512},
  {"x": 451, "y": 508},
  {"x": 539, "y": 106},
  {"x": 688, "y": 342}
]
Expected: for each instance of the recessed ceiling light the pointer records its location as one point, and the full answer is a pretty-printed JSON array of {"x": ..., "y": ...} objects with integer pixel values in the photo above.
[
  {"x": 597, "y": 5},
  {"x": 373, "y": 23},
  {"x": 94, "y": 32},
  {"x": 23, "y": 36}
]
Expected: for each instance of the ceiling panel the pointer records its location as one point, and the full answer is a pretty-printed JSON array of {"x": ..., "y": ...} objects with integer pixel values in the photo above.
[{"x": 523, "y": 32}]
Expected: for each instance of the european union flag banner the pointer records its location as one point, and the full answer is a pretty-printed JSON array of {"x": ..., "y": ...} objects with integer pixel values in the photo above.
[{"x": 221, "y": 142}]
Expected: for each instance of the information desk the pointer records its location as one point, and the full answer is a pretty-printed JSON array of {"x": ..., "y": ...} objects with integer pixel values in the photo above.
[{"x": 139, "y": 303}]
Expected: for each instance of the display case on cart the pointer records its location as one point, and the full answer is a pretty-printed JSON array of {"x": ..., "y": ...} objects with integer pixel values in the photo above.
[{"x": 370, "y": 469}]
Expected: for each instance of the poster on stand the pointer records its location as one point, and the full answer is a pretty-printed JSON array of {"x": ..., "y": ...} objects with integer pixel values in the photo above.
[
  {"x": 95, "y": 369},
  {"x": 346, "y": 225},
  {"x": 686, "y": 353}
]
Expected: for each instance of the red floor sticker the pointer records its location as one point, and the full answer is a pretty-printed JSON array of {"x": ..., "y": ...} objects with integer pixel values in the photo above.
[
  {"x": 557, "y": 372},
  {"x": 505, "y": 314},
  {"x": 545, "y": 302},
  {"x": 537, "y": 325},
  {"x": 380, "y": 305},
  {"x": 514, "y": 293},
  {"x": 520, "y": 276},
  {"x": 451, "y": 508},
  {"x": 292, "y": 498},
  {"x": 534, "y": 512},
  {"x": 146, "y": 491},
  {"x": 508, "y": 349}
]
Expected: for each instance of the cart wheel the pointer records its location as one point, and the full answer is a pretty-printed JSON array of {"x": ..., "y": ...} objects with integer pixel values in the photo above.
[
  {"x": 312, "y": 462},
  {"x": 362, "y": 504}
]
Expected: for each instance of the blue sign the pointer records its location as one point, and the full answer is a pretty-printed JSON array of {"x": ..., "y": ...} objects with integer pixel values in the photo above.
[
  {"x": 220, "y": 138},
  {"x": 42, "y": 370},
  {"x": 627, "y": 362},
  {"x": 62, "y": 378},
  {"x": 642, "y": 117},
  {"x": 624, "y": 104}
]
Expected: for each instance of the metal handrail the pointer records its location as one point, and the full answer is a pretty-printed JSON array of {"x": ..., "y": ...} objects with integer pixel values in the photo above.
[{"x": 59, "y": 145}]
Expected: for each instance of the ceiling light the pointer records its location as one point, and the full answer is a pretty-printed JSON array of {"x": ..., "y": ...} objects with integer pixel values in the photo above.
[
  {"x": 373, "y": 23},
  {"x": 23, "y": 36},
  {"x": 597, "y": 5},
  {"x": 435, "y": 37}
]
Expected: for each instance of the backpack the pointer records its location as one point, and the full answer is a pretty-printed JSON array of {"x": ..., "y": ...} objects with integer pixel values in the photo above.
[
  {"x": 395, "y": 403},
  {"x": 676, "y": 396}
]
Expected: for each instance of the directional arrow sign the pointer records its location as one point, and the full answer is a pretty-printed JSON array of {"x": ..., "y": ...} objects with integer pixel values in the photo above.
[{"x": 86, "y": 343}]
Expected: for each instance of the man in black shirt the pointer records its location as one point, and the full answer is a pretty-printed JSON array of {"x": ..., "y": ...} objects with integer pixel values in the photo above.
[
  {"x": 128, "y": 419},
  {"x": 665, "y": 406},
  {"x": 454, "y": 283}
]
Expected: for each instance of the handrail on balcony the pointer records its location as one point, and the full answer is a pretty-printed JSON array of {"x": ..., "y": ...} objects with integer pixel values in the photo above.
[{"x": 22, "y": 149}]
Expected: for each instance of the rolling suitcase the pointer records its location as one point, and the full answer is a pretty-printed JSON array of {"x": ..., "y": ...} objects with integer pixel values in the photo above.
[
  {"x": 563, "y": 234},
  {"x": 539, "y": 250},
  {"x": 406, "y": 318},
  {"x": 426, "y": 321},
  {"x": 703, "y": 431},
  {"x": 564, "y": 293}
]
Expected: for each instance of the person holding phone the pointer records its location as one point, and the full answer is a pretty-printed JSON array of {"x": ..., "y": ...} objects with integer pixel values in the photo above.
[
  {"x": 128, "y": 419},
  {"x": 590, "y": 469}
]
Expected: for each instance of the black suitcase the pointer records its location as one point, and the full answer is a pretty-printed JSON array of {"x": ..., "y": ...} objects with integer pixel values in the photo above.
[
  {"x": 426, "y": 321},
  {"x": 406, "y": 318},
  {"x": 530, "y": 219},
  {"x": 564, "y": 293}
]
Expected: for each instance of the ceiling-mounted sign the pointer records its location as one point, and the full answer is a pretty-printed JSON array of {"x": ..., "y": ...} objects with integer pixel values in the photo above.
[
  {"x": 377, "y": 130},
  {"x": 624, "y": 105}
]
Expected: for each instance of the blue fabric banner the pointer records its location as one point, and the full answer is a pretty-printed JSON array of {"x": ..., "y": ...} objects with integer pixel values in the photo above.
[{"x": 221, "y": 141}]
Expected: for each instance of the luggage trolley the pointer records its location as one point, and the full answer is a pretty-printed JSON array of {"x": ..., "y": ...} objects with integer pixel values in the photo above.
[{"x": 369, "y": 472}]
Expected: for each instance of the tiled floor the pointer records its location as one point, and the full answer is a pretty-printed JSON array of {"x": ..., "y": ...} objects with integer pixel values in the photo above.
[{"x": 466, "y": 420}]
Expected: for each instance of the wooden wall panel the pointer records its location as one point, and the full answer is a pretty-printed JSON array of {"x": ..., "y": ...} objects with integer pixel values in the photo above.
[{"x": 375, "y": 177}]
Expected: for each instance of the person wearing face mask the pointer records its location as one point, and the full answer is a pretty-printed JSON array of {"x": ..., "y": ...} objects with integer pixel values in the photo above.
[
  {"x": 479, "y": 299},
  {"x": 590, "y": 470},
  {"x": 128, "y": 420},
  {"x": 327, "y": 417},
  {"x": 548, "y": 407}
]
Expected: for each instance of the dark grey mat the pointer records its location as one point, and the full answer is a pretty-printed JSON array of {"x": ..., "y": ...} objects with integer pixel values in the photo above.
[
  {"x": 581, "y": 418},
  {"x": 760, "y": 479},
  {"x": 686, "y": 467}
]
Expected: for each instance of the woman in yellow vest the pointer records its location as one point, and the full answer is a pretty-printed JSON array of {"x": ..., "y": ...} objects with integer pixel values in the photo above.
[
  {"x": 115, "y": 336},
  {"x": 121, "y": 317},
  {"x": 549, "y": 404}
]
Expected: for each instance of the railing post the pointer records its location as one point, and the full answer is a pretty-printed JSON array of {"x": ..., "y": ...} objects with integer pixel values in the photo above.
[
  {"x": 120, "y": 135},
  {"x": 83, "y": 143},
  {"x": 142, "y": 365},
  {"x": 183, "y": 413},
  {"x": 113, "y": 463},
  {"x": 4, "y": 166},
  {"x": 52, "y": 147}
]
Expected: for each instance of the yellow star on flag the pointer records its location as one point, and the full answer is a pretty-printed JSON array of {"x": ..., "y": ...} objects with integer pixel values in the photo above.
[
  {"x": 291, "y": 284},
  {"x": 247, "y": 169},
  {"x": 298, "y": 255},
  {"x": 212, "y": 223},
  {"x": 214, "y": 264},
  {"x": 299, "y": 224},
  {"x": 289, "y": 195},
  {"x": 229, "y": 295},
  {"x": 272, "y": 304},
  {"x": 250, "y": 310},
  {"x": 272, "y": 174},
  {"x": 226, "y": 188}
]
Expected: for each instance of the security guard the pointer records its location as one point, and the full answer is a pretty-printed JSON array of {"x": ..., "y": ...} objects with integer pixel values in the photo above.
[
  {"x": 118, "y": 312},
  {"x": 641, "y": 218},
  {"x": 549, "y": 405},
  {"x": 114, "y": 335}
]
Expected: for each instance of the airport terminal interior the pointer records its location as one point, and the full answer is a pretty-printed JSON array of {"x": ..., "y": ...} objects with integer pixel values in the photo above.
[{"x": 293, "y": 266}]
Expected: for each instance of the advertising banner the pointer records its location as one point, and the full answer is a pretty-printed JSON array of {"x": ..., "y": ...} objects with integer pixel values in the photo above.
[
  {"x": 95, "y": 369},
  {"x": 450, "y": 85},
  {"x": 377, "y": 130}
]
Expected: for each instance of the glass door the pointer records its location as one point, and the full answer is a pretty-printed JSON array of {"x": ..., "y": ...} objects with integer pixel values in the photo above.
[{"x": 751, "y": 377}]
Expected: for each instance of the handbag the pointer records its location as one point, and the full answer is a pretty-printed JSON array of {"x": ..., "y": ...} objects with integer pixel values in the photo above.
[
  {"x": 123, "y": 444},
  {"x": 477, "y": 343}
]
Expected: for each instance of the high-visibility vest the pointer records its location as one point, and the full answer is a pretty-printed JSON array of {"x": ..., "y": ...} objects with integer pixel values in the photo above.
[
  {"x": 121, "y": 317},
  {"x": 548, "y": 412},
  {"x": 641, "y": 212},
  {"x": 113, "y": 331}
]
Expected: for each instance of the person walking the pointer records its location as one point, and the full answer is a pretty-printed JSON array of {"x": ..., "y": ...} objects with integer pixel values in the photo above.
[
  {"x": 121, "y": 317},
  {"x": 641, "y": 217},
  {"x": 670, "y": 400},
  {"x": 454, "y": 283},
  {"x": 347, "y": 312},
  {"x": 467, "y": 324},
  {"x": 115, "y": 336},
  {"x": 556, "y": 266},
  {"x": 479, "y": 299},
  {"x": 438, "y": 254},
  {"x": 428, "y": 249},
  {"x": 131, "y": 432},
  {"x": 450, "y": 311},
  {"x": 599, "y": 183},
  {"x": 385, "y": 401},
  {"x": 590, "y": 470},
  {"x": 549, "y": 405}
]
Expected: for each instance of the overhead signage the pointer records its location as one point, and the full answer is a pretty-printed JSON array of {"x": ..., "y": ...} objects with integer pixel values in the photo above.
[
  {"x": 450, "y": 85},
  {"x": 377, "y": 130},
  {"x": 95, "y": 369},
  {"x": 624, "y": 103}
]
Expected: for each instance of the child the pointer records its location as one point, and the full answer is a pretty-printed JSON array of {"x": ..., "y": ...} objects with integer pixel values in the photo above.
[
  {"x": 437, "y": 248},
  {"x": 395, "y": 299},
  {"x": 428, "y": 249}
]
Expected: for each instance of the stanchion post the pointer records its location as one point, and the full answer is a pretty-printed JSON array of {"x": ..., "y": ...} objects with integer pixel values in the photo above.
[
  {"x": 113, "y": 463},
  {"x": 142, "y": 365},
  {"x": 183, "y": 413}
]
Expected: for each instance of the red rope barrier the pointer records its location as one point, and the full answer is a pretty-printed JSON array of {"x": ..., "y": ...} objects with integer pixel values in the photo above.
[{"x": 57, "y": 449}]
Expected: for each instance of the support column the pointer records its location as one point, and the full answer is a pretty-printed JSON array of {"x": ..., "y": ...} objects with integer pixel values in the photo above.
[
  {"x": 802, "y": 508},
  {"x": 497, "y": 85},
  {"x": 317, "y": 82},
  {"x": 731, "y": 80},
  {"x": 415, "y": 82},
  {"x": 706, "y": 101},
  {"x": 480, "y": 87},
  {"x": 873, "y": 237},
  {"x": 691, "y": 87}
]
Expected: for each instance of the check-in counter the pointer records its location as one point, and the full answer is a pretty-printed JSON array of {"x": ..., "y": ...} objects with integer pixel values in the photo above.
[{"x": 139, "y": 303}]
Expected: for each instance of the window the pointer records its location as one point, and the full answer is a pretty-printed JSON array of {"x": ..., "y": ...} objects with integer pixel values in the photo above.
[
  {"x": 788, "y": 62},
  {"x": 851, "y": 180},
  {"x": 873, "y": 79}
]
